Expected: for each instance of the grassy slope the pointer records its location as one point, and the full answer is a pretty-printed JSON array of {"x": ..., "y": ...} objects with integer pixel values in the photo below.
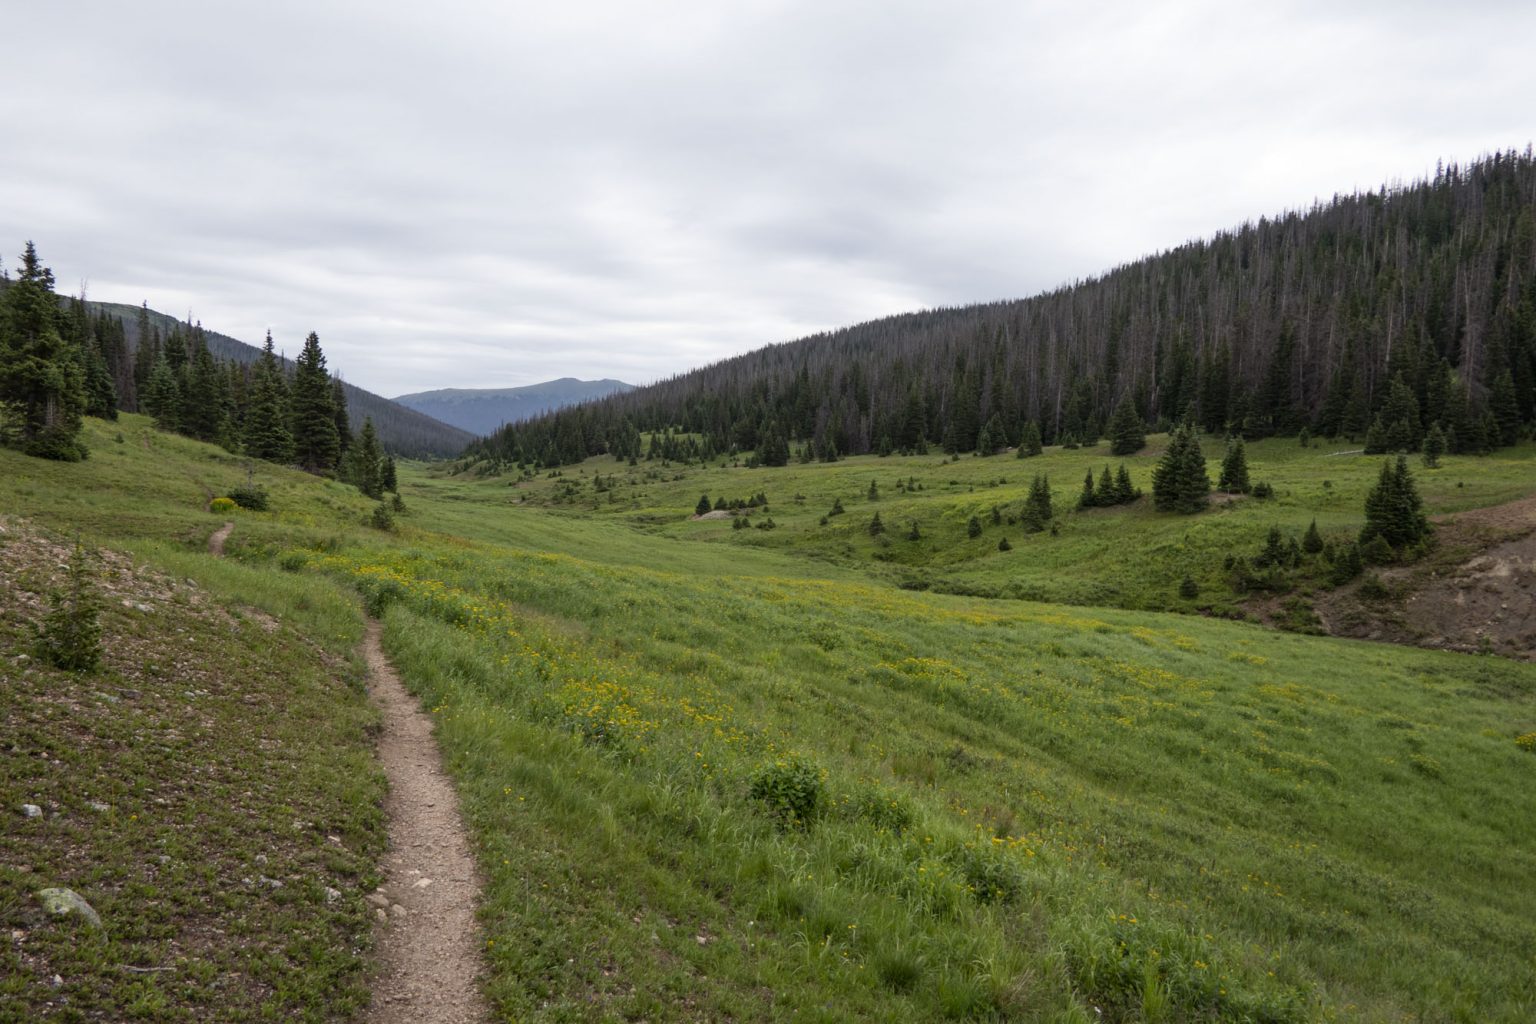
[
  {"x": 227, "y": 735},
  {"x": 1029, "y": 810},
  {"x": 1090, "y": 562},
  {"x": 1349, "y": 817}
]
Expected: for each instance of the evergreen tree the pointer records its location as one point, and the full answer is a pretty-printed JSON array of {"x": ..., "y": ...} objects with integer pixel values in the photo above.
[
  {"x": 1505, "y": 408},
  {"x": 973, "y": 528},
  {"x": 1393, "y": 509},
  {"x": 267, "y": 434},
  {"x": 316, "y": 443},
  {"x": 343, "y": 420},
  {"x": 1125, "y": 491},
  {"x": 1029, "y": 443},
  {"x": 1126, "y": 432},
  {"x": 876, "y": 527},
  {"x": 1180, "y": 483},
  {"x": 703, "y": 506},
  {"x": 1234, "y": 468},
  {"x": 368, "y": 460},
  {"x": 874, "y": 491},
  {"x": 42, "y": 380},
  {"x": 1037, "y": 507},
  {"x": 388, "y": 479},
  {"x": 1434, "y": 447},
  {"x": 1088, "y": 499},
  {"x": 100, "y": 390},
  {"x": 1104, "y": 494},
  {"x": 1376, "y": 438},
  {"x": 1312, "y": 542},
  {"x": 162, "y": 398}
]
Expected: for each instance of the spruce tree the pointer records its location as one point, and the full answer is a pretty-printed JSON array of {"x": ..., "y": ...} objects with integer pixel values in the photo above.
[
  {"x": 1393, "y": 509},
  {"x": 42, "y": 379},
  {"x": 1505, "y": 408},
  {"x": 367, "y": 460},
  {"x": 389, "y": 480},
  {"x": 1434, "y": 447},
  {"x": 343, "y": 420},
  {"x": 267, "y": 434},
  {"x": 1104, "y": 493},
  {"x": 1088, "y": 499},
  {"x": 1126, "y": 432},
  {"x": 1029, "y": 443},
  {"x": 1234, "y": 468},
  {"x": 1179, "y": 483},
  {"x": 1037, "y": 507},
  {"x": 973, "y": 527},
  {"x": 1312, "y": 542},
  {"x": 1125, "y": 491},
  {"x": 316, "y": 443},
  {"x": 876, "y": 527},
  {"x": 703, "y": 506}
]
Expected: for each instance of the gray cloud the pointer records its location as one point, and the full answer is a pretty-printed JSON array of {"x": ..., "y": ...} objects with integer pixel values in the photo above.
[{"x": 487, "y": 194}]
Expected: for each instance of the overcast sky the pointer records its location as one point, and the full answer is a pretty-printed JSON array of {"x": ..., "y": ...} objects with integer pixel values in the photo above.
[{"x": 488, "y": 194}]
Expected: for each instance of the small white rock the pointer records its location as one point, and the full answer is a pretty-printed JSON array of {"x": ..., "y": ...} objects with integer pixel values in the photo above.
[
  {"x": 31, "y": 811},
  {"x": 332, "y": 895}
]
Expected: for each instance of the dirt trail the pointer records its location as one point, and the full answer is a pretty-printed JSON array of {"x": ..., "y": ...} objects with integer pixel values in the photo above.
[
  {"x": 216, "y": 542},
  {"x": 429, "y": 950}
]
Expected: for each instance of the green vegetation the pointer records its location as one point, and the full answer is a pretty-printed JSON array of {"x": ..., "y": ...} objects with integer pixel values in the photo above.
[{"x": 718, "y": 772}]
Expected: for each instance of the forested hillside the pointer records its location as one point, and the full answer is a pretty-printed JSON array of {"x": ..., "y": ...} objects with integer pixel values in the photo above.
[
  {"x": 401, "y": 430},
  {"x": 1304, "y": 320}
]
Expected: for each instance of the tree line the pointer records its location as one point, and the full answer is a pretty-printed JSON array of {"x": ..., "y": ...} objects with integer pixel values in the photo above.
[
  {"x": 60, "y": 362},
  {"x": 1375, "y": 317}
]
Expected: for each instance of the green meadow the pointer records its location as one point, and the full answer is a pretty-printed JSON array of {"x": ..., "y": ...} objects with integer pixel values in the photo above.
[{"x": 811, "y": 773}]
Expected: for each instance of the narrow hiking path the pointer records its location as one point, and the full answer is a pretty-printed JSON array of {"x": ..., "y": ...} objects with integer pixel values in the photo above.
[
  {"x": 216, "y": 542},
  {"x": 429, "y": 951}
]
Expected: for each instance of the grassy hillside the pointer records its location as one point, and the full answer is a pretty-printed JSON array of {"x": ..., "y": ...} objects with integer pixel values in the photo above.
[{"x": 740, "y": 774}]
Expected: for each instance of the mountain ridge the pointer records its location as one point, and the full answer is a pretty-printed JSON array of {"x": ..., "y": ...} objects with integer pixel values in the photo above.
[{"x": 482, "y": 411}]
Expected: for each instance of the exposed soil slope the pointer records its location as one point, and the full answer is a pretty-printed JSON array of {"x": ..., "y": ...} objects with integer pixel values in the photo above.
[{"x": 1477, "y": 592}]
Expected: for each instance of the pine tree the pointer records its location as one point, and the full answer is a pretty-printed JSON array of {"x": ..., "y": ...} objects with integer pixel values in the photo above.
[
  {"x": 367, "y": 460},
  {"x": 1088, "y": 499},
  {"x": 1037, "y": 507},
  {"x": 1505, "y": 408},
  {"x": 343, "y": 420},
  {"x": 1376, "y": 438},
  {"x": 1434, "y": 447},
  {"x": 70, "y": 636},
  {"x": 1127, "y": 435},
  {"x": 1104, "y": 493},
  {"x": 1312, "y": 542},
  {"x": 973, "y": 528},
  {"x": 1179, "y": 483},
  {"x": 388, "y": 478},
  {"x": 267, "y": 434},
  {"x": 1393, "y": 509},
  {"x": 874, "y": 491},
  {"x": 1125, "y": 491},
  {"x": 162, "y": 398},
  {"x": 876, "y": 527},
  {"x": 703, "y": 506},
  {"x": 1234, "y": 468},
  {"x": 42, "y": 379},
  {"x": 316, "y": 443},
  {"x": 1029, "y": 443}
]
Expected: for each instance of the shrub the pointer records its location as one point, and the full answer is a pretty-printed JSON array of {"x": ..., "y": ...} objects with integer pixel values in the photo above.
[
  {"x": 1377, "y": 551},
  {"x": 1527, "y": 742},
  {"x": 222, "y": 505},
  {"x": 250, "y": 496},
  {"x": 791, "y": 790},
  {"x": 1003, "y": 545},
  {"x": 1263, "y": 490},
  {"x": 1372, "y": 588},
  {"x": 70, "y": 636},
  {"x": 973, "y": 528},
  {"x": 382, "y": 518},
  {"x": 1188, "y": 588}
]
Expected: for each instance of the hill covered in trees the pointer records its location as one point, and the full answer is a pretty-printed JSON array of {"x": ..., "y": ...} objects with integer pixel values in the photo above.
[
  {"x": 1402, "y": 309},
  {"x": 484, "y": 410},
  {"x": 402, "y": 430}
]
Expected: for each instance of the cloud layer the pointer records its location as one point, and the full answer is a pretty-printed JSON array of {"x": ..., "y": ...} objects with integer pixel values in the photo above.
[{"x": 491, "y": 194}]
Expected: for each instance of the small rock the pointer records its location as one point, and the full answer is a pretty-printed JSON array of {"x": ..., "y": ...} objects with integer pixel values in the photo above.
[
  {"x": 261, "y": 858},
  {"x": 378, "y": 912},
  {"x": 397, "y": 910},
  {"x": 31, "y": 811},
  {"x": 421, "y": 883},
  {"x": 60, "y": 902},
  {"x": 332, "y": 895},
  {"x": 99, "y": 807},
  {"x": 379, "y": 900}
]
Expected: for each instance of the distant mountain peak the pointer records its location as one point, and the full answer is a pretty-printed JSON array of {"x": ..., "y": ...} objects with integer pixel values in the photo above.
[{"x": 484, "y": 410}]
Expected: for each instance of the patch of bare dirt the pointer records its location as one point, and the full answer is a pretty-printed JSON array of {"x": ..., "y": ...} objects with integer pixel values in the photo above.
[
  {"x": 216, "y": 542},
  {"x": 429, "y": 951},
  {"x": 1476, "y": 592}
]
